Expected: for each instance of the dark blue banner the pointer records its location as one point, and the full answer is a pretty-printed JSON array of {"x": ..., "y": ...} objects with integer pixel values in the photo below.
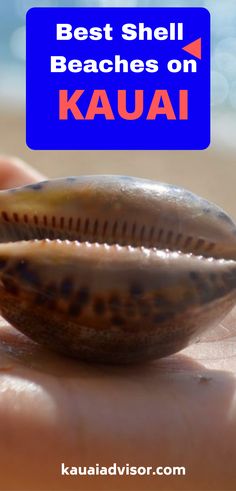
[{"x": 118, "y": 78}]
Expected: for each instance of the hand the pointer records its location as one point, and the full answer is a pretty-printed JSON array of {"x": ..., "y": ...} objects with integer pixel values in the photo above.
[{"x": 179, "y": 411}]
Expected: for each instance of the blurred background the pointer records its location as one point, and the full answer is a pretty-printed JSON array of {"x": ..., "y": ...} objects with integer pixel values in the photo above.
[{"x": 210, "y": 173}]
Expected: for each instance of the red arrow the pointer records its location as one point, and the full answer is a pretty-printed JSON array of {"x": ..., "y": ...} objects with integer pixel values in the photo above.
[{"x": 194, "y": 48}]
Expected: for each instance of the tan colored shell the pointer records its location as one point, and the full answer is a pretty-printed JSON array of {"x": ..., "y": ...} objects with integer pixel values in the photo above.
[{"x": 114, "y": 268}]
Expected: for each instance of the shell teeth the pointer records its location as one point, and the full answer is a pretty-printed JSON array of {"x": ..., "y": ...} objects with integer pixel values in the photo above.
[
  {"x": 145, "y": 250},
  {"x": 118, "y": 247},
  {"x": 130, "y": 248}
]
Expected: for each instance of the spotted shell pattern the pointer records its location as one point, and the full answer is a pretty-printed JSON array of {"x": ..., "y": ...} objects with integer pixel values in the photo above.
[{"x": 114, "y": 269}]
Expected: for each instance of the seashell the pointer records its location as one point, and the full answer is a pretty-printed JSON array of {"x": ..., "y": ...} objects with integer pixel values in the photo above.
[{"x": 114, "y": 269}]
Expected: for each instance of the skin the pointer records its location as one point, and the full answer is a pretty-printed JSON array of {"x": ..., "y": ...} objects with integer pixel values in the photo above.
[{"x": 177, "y": 411}]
